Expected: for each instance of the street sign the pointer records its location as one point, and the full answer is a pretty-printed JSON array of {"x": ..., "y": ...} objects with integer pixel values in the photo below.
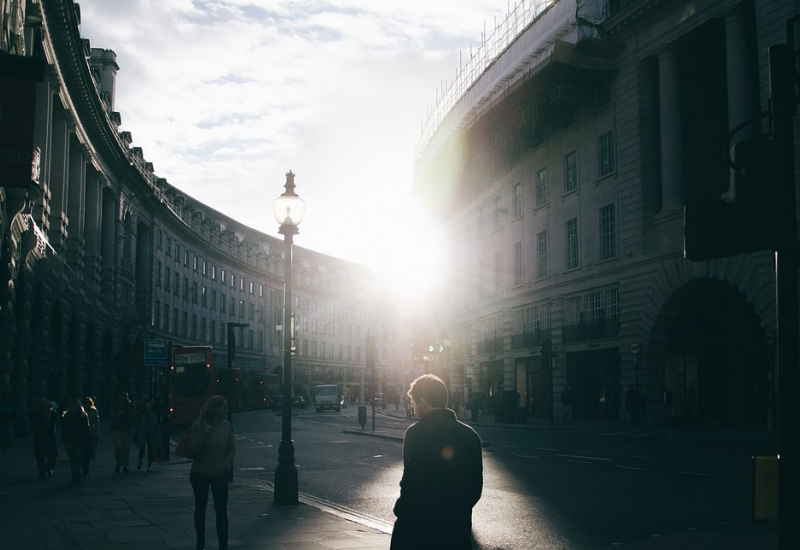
[
  {"x": 634, "y": 348},
  {"x": 156, "y": 352}
]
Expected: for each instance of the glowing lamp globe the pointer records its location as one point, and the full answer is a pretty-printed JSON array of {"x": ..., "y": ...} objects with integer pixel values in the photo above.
[{"x": 289, "y": 208}]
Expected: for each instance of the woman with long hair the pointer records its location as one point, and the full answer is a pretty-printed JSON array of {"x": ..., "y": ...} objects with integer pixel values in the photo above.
[
  {"x": 148, "y": 434},
  {"x": 94, "y": 432},
  {"x": 213, "y": 449},
  {"x": 75, "y": 432}
]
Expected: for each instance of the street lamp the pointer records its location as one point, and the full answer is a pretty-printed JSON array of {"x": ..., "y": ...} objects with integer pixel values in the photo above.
[{"x": 289, "y": 210}]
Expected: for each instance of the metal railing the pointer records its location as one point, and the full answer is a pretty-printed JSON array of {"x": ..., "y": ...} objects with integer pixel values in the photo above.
[
  {"x": 491, "y": 47},
  {"x": 530, "y": 339},
  {"x": 495, "y": 345},
  {"x": 596, "y": 330}
]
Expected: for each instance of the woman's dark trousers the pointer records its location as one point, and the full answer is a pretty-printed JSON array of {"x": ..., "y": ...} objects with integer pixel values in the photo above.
[{"x": 219, "y": 490}]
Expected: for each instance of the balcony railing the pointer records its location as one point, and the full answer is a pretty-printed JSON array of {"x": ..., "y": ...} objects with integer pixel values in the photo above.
[
  {"x": 596, "y": 330},
  {"x": 530, "y": 339},
  {"x": 487, "y": 347}
]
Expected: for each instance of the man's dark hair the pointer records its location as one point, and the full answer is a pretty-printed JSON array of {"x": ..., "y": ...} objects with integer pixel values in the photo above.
[{"x": 431, "y": 388}]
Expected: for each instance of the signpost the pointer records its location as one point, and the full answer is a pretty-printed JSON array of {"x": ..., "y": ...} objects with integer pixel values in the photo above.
[
  {"x": 635, "y": 348},
  {"x": 156, "y": 357}
]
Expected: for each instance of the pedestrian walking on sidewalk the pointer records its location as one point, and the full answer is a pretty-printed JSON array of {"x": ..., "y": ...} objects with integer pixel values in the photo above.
[
  {"x": 7, "y": 414},
  {"x": 148, "y": 434},
  {"x": 94, "y": 433},
  {"x": 75, "y": 432},
  {"x": 442, "y": 474},
  {"x": 45, "y": 447},
  {"x": 633, "y": 404},
  {"x": 566, "y": 403},
  {"x": 122, "y": 418},
  {"x": 213, "y": 450}
]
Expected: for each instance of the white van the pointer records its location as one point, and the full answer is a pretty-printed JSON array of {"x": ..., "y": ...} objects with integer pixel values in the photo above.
[{"x": 326, "y": 396}]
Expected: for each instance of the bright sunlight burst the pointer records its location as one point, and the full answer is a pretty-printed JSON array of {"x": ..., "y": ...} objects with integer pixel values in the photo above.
[{"x": 412, "y": 257}]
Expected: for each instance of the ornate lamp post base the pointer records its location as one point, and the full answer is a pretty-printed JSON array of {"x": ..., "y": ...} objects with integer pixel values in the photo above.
[{"x": 286, "y": 475}]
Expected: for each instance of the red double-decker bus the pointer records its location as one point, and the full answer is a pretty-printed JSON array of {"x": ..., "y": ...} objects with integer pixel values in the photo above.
[{"x": 192, "y": 380}]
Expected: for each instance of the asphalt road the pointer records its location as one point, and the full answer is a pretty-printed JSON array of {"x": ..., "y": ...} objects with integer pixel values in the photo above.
[{"x": 542, "y": 489}]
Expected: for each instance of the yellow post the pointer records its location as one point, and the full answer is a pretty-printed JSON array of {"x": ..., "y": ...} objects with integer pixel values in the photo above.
[{"x": 765, "y": 487}]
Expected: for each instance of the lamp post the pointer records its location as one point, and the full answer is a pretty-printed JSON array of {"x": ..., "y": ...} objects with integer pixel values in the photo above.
[{"x": 289, "y": 210}]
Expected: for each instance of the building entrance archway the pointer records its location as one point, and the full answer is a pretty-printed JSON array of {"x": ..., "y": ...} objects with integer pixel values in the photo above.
[{"x": 715, "y": 361}]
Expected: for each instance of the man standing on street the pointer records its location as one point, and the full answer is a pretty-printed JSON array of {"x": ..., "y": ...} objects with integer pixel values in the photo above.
[
  {"x": 122, "y": 419},
  {"x": 442, "y": 474}
]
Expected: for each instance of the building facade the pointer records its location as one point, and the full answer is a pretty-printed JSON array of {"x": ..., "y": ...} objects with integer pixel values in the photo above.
[
  {"x": 566, "y": 150},
  {"x": 99, "y": 254}
]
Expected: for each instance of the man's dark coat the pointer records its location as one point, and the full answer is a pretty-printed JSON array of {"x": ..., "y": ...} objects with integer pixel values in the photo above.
[{"x": 442, "y": 481}]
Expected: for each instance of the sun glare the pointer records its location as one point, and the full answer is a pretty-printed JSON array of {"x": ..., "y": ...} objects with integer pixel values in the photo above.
[{"x": 411, "y": 259}]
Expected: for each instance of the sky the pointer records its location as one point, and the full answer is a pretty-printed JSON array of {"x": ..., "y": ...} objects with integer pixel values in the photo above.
[{"x": 225, "y": 96}]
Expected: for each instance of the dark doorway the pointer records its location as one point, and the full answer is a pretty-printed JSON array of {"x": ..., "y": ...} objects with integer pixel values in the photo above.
[{"x": 595, "y": 380}]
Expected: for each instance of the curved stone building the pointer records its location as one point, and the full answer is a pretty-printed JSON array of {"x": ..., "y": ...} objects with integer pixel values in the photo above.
[
  {"x": 99, "y": 254},
  {"x": 562, "y": 156}
]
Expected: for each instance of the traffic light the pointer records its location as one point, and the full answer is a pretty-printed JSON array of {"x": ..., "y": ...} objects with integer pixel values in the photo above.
[{"x": 714, "y": 228}]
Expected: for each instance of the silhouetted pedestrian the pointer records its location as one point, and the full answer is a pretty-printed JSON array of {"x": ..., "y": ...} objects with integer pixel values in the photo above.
[
  {"x": 442, "y": 475},
  {"x": 74, "y": 433},
  {"x": 45, "y": 448},
  {"x": 667, "y": 400},
  {"x": 94, "y": 433},
  {"x": 148, "y": 434},
  {"x": 213, "y": 449},
  {"x": 122, "y": 419},
  {"x": 566, "y": 403},
  {"x": 632, "y": 403}
]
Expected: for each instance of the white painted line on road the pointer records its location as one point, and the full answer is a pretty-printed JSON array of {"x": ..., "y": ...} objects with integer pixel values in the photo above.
[
  {"x": 255, "y": 468},
  {"x": 584, "y": 457},
  {"x": 527, "y": 456},
  {"x": 630, "y": 468},
  {"x": 698, "y": 474}
]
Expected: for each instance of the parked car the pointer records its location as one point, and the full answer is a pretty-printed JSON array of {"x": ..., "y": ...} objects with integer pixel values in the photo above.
[
  {"x": 277, "y": 403},
  {"x": 298, "y": 401}
]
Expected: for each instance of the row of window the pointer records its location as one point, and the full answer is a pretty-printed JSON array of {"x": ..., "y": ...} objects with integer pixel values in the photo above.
[
  {"x": 591, "y": 307},
  {"x": 170, "y": 319},
  {"x": 193, "y": 262},
  {"x": 608, "y": 250},
  {"x": 606, "y": 166},
  {"x": 324, "y": 350}
]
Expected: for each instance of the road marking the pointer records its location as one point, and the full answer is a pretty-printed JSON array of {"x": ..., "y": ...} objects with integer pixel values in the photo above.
[
  {"x": 698, "y": 474},
  {"x": 544, "y": 449},
  {"x": 584, "y": 457},
  {"x": 527, "y": 456},
  {"x": 630, "y": 468},
  {"x": 255, "y": 468}
]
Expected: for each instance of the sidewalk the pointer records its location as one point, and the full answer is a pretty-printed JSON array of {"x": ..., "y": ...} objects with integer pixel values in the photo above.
[{"x": 141, "y": 511}]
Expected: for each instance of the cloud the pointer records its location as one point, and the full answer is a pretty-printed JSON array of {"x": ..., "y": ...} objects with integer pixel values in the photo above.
[{"x": 230, "y": 94}]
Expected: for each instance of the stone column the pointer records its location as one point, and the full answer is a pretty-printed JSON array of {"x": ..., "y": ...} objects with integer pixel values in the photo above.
[
  {"x": 672, "y": 179},
  {"x": 109, "y": 240},
  {"x": 92, "y": 230},
  {"x": 59, "y": 182},
  {"x": 76, "y": 204},
  {"x": 742, "y": 105}
]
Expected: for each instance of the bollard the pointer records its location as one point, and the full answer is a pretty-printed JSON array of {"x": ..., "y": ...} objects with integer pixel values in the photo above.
[{"x": 362, "y": 415}]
